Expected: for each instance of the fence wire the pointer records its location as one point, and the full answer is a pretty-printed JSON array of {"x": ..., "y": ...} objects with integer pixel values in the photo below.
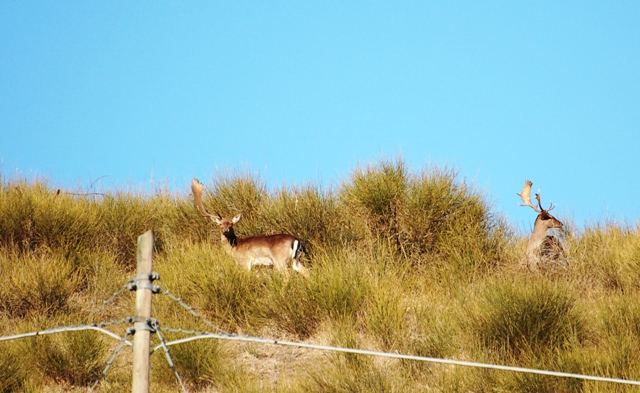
[
  {"x": 222, "y": 335},
  {"x": 168, "y": 356},
  {"x": 73, "y": 328},
  {"x": 193, "y": 312},
  {"x": 113, "y": 358},
  {"x": 105, "y": 303},
  {"x": 261, "y": 340}
]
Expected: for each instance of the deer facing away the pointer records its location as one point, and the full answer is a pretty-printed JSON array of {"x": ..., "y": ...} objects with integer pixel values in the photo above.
[
  {"x": 271, "y": 250},
  {"x": 542, "y": 248}
]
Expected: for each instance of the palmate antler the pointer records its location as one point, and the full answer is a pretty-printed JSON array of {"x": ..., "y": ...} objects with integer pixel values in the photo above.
[
  {"x": 525, "y": 195},
  {"x": 198, "y": 189}
]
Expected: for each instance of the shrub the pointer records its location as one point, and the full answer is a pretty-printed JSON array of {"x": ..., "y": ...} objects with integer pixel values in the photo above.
[
  {"x": 123, "y": 218},
  {"x": 526, "y": 316},
  {"x": 232, "y": 296},
  {"x": 310, "y": 214},
  {"x": 34, "y": 216},
  {"x": 236, "y": 192},
  {"x": 385, "y": 317},
  {"x": 429, "y": 213},
  {"x": 290, "y": 303},
  {"x": 339, "y": 285},
  {"x": 37, "y": 283},
  {"x": 609, "y": 255},
  {"x": 376, "y": 194},
  {"x": 12, "y": 373},
  {"x": 199, "y": 363},
  {"x": 77, "y": 359}
]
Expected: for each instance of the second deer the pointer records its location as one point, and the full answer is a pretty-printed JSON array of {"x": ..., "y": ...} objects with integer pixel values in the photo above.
[
  {"x": 272, "y": 250},
  {"x": 542, "y": 248}
]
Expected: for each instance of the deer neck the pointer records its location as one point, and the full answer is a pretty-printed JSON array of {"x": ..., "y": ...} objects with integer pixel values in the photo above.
[
  {"x": 229, "y": 240},
  {"x": 538, "y": 235}
]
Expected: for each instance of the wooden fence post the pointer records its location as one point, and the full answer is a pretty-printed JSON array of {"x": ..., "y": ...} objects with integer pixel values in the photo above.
[{"x": 143, "y": 314}]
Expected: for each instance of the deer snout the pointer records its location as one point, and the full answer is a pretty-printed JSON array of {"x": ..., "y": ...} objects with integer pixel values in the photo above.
[{"x": 555, "y": 223}]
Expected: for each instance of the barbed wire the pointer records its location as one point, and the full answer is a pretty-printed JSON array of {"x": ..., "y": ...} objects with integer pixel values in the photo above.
[
  {"x": 223, "y": 335},
  {"x": 106, "y": 302},
  {"x": 98, "y": 327},
  {"x": 193, "y": 312},
  {"x": 391, "y": 355},
  {"x": 155, "y": 325},
  {"x": 130, "y": 332}
]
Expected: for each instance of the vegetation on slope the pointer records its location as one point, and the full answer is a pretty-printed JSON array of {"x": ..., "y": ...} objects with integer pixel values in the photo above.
[{"x": 401, "y": 261}]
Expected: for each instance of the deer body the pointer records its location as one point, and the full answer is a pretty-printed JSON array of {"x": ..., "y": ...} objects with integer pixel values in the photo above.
[
  {"x": 274, "y": 250},
  {"x": 541, "y": 247},
  {"x": 271, "y": 250}
]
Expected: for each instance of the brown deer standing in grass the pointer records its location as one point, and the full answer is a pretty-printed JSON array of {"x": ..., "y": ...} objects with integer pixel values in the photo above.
[
  {"x": 542, "y": 248},
  {"x": 271, "y": 250}
]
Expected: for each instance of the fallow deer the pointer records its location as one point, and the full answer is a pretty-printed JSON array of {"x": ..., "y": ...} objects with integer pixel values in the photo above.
[
  {"x": 272, "y": 250},
  {"x": 542, "y": 248}
]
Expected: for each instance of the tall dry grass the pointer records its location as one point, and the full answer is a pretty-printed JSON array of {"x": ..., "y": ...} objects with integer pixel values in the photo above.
[{"x": 400, "y": 260}]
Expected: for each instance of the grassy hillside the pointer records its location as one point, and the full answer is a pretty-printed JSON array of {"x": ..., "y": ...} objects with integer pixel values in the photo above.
[{"x": 401, "y": 261}]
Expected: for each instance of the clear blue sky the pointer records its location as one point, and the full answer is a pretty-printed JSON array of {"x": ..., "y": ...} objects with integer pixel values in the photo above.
[{"x": 302, "y": 92}]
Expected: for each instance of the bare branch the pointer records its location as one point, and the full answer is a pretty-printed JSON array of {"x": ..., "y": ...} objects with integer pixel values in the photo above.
[{"x": 95, "y": 181}]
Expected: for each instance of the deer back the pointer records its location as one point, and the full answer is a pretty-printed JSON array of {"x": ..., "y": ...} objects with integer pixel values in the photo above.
[
  {"x": 551, "y": 248},
  {"x": 266, "y": 249}
]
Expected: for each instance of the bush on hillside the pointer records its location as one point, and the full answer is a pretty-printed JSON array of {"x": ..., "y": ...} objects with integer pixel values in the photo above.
[
  {"x": 428, "y": 216},
  {"x": 526, "y": 316}
]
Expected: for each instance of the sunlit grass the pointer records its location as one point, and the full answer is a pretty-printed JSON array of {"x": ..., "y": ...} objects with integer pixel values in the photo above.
[{"x": 414, "y": 262}]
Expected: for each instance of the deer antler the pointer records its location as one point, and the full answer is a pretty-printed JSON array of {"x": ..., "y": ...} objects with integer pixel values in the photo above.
[
  {"x": 198, "y": 189},
  {"x": 525, "y": 195}
]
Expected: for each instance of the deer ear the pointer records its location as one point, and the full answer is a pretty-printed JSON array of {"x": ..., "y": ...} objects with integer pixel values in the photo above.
[{"x": 236, "y": 218}]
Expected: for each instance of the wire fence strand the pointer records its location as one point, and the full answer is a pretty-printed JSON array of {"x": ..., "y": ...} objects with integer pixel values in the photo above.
[
  {"x": 193, "y": 312},
  {"x": 398, "y": 356},
  {"x": 222, "y": 335},
  {"x": 62, "y": 329},
  {"x": 105, "y": 303},
  {"x": 113, "y": 358},
  {"x": 168, "y": 356}
]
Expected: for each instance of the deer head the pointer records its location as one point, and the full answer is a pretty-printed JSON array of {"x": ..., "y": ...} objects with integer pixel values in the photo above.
[
  {"x": 225, "y": 224},
  {"x": 545, "y": 219}
]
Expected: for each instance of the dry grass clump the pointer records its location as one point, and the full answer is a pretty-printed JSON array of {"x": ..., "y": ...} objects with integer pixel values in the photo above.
[
  {"x": 12, "y": 372},
  {"x": 414, "y": 262},
  {"x": 34, "y": 216},
  {"x": 75, "y": 359},
  {"x": 37, "y": 283},
  {"x": 608, "y": 256},
  {"x": 526, "y": 316},
  {"x": 430, "y": 217}
]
